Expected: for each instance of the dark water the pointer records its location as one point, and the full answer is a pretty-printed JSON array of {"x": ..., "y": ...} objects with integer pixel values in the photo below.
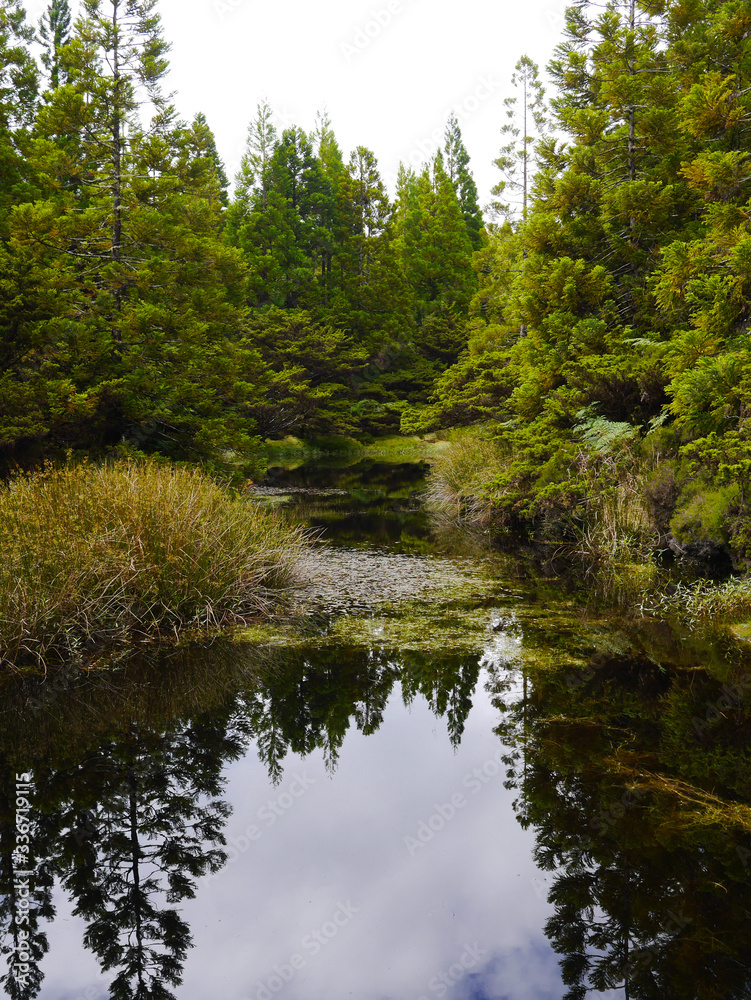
[{"x": 446, "y": 780}]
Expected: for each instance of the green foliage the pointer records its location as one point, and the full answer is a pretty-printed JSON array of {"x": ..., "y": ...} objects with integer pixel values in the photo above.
[
  {"x": 524, "y": 131},
  {"x": 619, "y": 301},
  {"x": 708, "y": 515},
  {"x": 307, "y": 373},
  {"x": 457, "y": 169},
  {"x": 605, "y": 437},
  {"x": 141, "y": 312}
]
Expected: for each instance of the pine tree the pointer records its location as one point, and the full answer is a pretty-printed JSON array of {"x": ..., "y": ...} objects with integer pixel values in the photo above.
[
  {"x": 253, "y": 174},
  {"x": 54, "y": 31},
  {"x": 284, "y": 235},
  {"x": 156, "y": 827},
  {"x": 18, "y": 102},
  {"x": 205, "y": 148},
  {"x": 139, "y": 341},
  {"x": 457, "y": 168},
  {"x": 126, "y": 37},
  {"x": 525, "y": 128}
]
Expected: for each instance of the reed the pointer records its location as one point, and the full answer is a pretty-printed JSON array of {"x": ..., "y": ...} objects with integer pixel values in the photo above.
[{"x": 95, "y": 553}]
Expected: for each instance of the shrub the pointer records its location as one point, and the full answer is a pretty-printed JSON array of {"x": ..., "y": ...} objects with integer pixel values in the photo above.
[
  {"x": 708, "y": 515},
  {"x": 92, "y": 553}
]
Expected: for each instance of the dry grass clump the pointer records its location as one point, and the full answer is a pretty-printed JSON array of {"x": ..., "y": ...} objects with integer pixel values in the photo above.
[
  {"x": 93, "y": 553},
  {"x": 457, "y": 487},
  {"x": 617, "y": 523}
]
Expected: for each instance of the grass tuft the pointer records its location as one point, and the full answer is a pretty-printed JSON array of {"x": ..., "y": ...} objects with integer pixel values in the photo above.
[
  {"x": 457, "y": 484},
  {"x": 702, "y": 603},
  {"x": 92, "y": 554}
]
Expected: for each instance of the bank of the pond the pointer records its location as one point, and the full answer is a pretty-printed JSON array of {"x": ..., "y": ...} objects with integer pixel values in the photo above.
[
  {"x": 292, "y": 450},
  {"x": 93, "y": 554},
  {"x": 609, "y": 525}
]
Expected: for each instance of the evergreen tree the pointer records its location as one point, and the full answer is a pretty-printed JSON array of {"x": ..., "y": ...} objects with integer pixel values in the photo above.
[
  {"x": 205, "y": 147},
  {"x": 153, "y": 829},
  {"x": 524, "y": 130},
  {"x": 284, "y": 237},
  {"x": 125, "y": 37},
  {"x": 456, "y": 162},
  {"x": 434, "y": 241},
  {"x": 18, "y": 102},
  {"x": 54, "y": 31},
  {"x": 139, "y": 337},
  {"x": 253, "y": 174}
]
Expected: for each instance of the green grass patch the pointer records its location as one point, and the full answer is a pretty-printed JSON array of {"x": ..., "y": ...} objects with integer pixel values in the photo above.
[{"x": 96, "y": 553}]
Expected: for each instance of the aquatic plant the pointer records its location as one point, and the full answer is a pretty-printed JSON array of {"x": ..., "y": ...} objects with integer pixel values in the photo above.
[
  {"x": 91, "y": 553},
  {"x": 703, "y": 602}
]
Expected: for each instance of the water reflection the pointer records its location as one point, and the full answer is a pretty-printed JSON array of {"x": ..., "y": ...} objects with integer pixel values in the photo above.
[
  {"x": 367, "y": 503},
  {"x": 372, "y": 848},
  {"x": 639, "y": 817},
  {"x": 130, "y": 820}
]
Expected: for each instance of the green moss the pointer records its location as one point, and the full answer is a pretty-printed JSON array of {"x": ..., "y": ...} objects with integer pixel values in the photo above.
[
  {"x": 707, "y": 515},
  {"x": 742, "y": 631}
]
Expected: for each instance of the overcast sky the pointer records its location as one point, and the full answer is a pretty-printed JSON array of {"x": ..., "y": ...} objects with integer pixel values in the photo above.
[{"x": 388, "y": 71}]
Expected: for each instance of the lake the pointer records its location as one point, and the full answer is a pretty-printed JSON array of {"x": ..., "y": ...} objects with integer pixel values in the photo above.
[{"x": 448, "y": 774}]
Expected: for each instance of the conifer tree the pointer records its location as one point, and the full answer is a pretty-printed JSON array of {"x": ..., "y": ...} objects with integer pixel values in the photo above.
[
  {"x": 54, "y": 31},
  {"x": 132, "y": 231},
  {"x": 156, "y": 828},
  {"x": 253, "y": 174},
  {"x": 456, "y": 162},
  {"x": 205, "y": 145},
  {"x": 523, "y": 131},
  {"x": 18, "y": 102},
  {"x": 124, "y": 63}
]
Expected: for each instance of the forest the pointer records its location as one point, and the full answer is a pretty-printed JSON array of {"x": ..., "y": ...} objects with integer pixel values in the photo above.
[{"x": 590, "y": 324}]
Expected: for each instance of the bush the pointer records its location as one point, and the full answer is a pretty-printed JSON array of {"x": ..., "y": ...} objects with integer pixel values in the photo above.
[{"x": 91, "y": 554}]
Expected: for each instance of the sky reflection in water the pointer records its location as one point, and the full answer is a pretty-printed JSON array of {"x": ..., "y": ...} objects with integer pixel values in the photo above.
[{"x": 333, "y": 846}]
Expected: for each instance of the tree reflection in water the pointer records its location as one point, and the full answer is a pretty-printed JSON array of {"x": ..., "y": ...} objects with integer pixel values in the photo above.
[
  {"x": 636, "y": 791},
  {"x": 129, "y": 781},
  {"x": 638, "y": 814}
]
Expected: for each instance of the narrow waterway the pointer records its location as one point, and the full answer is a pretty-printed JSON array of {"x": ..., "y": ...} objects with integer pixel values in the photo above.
[{"x": 441, "y": 777}]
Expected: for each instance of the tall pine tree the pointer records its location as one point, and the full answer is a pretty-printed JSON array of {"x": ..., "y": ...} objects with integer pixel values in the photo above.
[{"x": 54, "y": 32}]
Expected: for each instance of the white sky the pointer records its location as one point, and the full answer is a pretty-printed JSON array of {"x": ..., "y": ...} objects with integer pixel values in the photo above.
[{"x": 390, "y": 94}]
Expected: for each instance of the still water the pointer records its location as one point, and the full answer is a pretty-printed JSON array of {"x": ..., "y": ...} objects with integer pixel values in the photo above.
[{"x": 444, "y": 778}]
